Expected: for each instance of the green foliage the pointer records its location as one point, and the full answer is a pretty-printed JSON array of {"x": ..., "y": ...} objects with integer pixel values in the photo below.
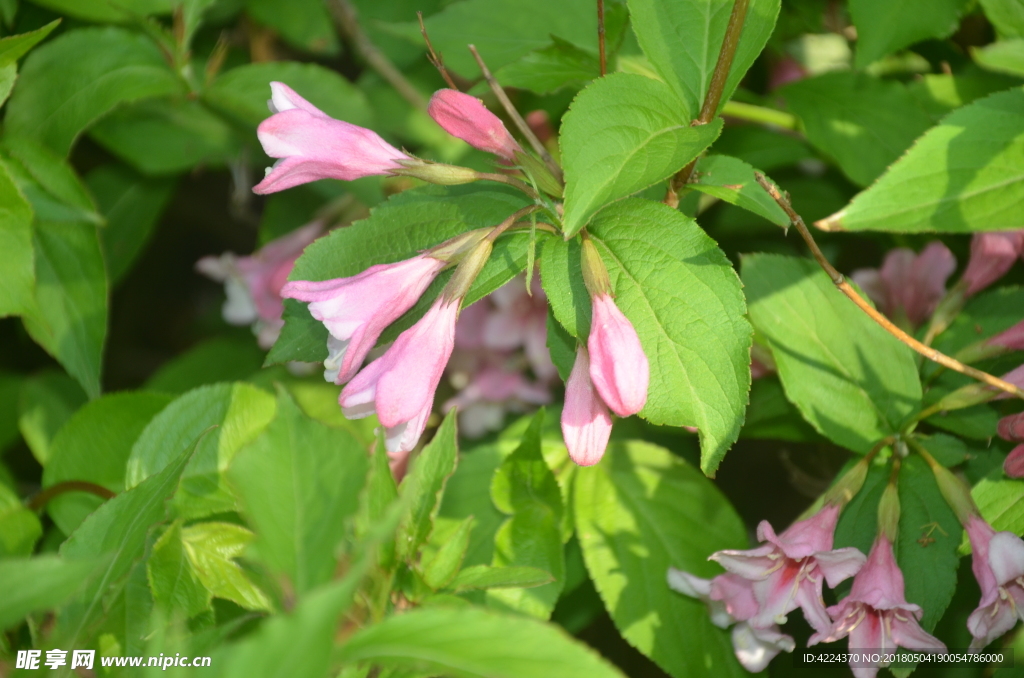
[
  {"x": 732, "y": 180},
  {"x": 1001, "y": 502},
  {"x": 19, "y": 527},
  {"x": 305, "y": 24},
  {"x": 220, "y": 359},
  {"x": 117, "y": 11},
  {"x": 46, "y": 401},
  {"x": 885, "y": 27},
  {"x": 33, "y": 584},
  {"x": 14, "y": 47},
  {"x": 422, "y": 490},
  {"x": 16, "y": 285}
]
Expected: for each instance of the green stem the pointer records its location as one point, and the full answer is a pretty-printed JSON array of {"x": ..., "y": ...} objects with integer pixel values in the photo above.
[
  {"x": 40, "y": 500},
  {"x": 760, "y": 114}
]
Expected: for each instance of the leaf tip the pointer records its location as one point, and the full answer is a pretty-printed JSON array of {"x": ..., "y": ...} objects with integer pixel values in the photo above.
[{"x": 832, "y": 223}]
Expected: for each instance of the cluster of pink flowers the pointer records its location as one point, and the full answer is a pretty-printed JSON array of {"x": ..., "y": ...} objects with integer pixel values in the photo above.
[{"x": 909, "y": 286}]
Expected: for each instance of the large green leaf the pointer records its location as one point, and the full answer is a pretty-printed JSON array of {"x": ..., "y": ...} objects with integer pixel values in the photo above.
[
  {"x": 852, "y": 380},
  {"x": 14, "y": 47},
  {"x": 31, "y": 584},
  {"x": 885, "y": 26},
  {"x": 218, "y": 359},
  {"x": 473, "y": 643},
  {"x": 19, "y": 527},
  {"x": 963, "y": 175},
  {"x": 622, "y": 134},
  {"x": 211, "y": 549},
  {"x": 69, "y": 319},
  {"x": 861, "y": 121},
  {"x": 52, "y": 186},
  {"x": 116, "y": 11},
  {"x": 94, "y": 446},
  {"x": 467, "y": 493},
  {"x": 1006, "y": 15},
  {"x": 305, "y": 24},
  {"x": 16, "y": 258},
  {"x": 639, "y": 512},
  {"x": 1005, "y": 56},
  {"x": 172, "y": 578},
  {"x": 732, "y": 180},
  {"x": 299, "y": 484},
  {"x": 684, "y": 299},
  {"x": 47, "y": 400},
  {"x": 243, "y": 92},
  {"x": 551, "y": 68},
  {"x": 682, "y": 39},
  {"x": 1001, "y": 502},
  {"x": 423, "y": 488},
  {"x": 69, "y": 83}
]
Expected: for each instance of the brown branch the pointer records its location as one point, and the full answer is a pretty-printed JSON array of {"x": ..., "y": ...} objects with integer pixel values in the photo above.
[
  {"x": 516, "y": 118},
  {"x": 715, "y": 91},
  {"x": 347, "y": 20},
  {"x": 600, "y": 37},
  {"x": 839, "y": 281},
  {"x": 40, "y": 500},
  {"x": 435, "y": 58}
]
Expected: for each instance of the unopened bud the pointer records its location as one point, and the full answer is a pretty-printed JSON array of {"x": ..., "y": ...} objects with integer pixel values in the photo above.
[
  {"x": 436, "y": 173},
  {"x": 948, "y": 309},
  {"x": 847, "y": 487},
  {"x": 954, "y": 491},
  {"x": 966, "y": 396},
  {"x": 1014, "y": 464},
  {"x": 889, "y": 512},
  {"x": 595, "y": 275},
  {"x": 540, "y": 173},
  {"x": 454, "y": 250},
  {"x": 467, "y": 271}
]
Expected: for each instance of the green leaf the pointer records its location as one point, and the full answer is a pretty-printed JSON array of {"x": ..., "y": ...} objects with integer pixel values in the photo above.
[
  {"x": 622, "y": 134},
  {"x": 639, "y": 512},
  {"x": 1005, "y": 56},
  {"x": 70, "y": 316},
  {"x": 242, "y": 92},
  {"x": 684, "y": 299},
  {"x": 518, "y": 577},
  {"x": 94, "y": 446},
  {"x": 984, "y": 316},
  {"x": 305, "y": 24},
  {"x": 49, "y": 182},
  {"x": 733, "y": 181},
  {"x": 468, "y": 493},
  {"x": 947, "y": 450},
  {"x": 19, "y": 527},
  {"x": 961, "y": 176},
  {"x": 441, "y": 568},
  {"x": 113, "y": 11},
  {"x": 8, "y": 76},
  {"x": 16, "y": 258},
  {"x": 173, "y": 581},
  {"x": 562, "y": 347},
  {"x": 69, "y": 83},
  {"x": 941, "y": 94},
  {"x": 1006, "y": 15},
  {"x": 761, "y": 148},
  {"x": 423, "y": 487},
  {"x": 299, "y": 484},
  {"x": 863, "y": 122},
  {"x": 47, "y": 400},
  {"x": 472, "y": 643},
  {"x": 1001, "y": 502},
  {"x": 167, "y": 136},
  {"x": 239, "y": 412},
  {"x": 525, "y": 489},
  {"x": 211, "y": 549},
  {"x": 852, "y": 380},
  {"x": 132, "y": 205},
  {"x": 551, "y": 68},
  {"x": 214, "y": 360},
  {"x": 884, "y": 27},
  {"x": 31, "y": 584},
  {"x": 319, "y": 400},
  {"x": 771, "y": 417},
  {"x": 10, "y": 391},
  {"x": 14, "y": 47},
  {"x": 682, "y": 40}
]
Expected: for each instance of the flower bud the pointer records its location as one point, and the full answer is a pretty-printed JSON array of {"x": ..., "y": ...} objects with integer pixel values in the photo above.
[
  {"x": 586, "y": 424},
  {"x": 1012, "y": 428},
  {"x": 1014, "y": 464},
  {"x": 889, "y": 512},
  {"x": 436, "y": 173},
  {"x": 467, "y": 271},
  {"x": 618, "y": 364},
  {"x": 466, "y": 117},
  {"x": 992, "y": 255}
]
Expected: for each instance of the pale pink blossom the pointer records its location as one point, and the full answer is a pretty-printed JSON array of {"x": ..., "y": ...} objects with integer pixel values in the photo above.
[
  {"x": 312, "y": 145},
  {"x": 519, "y": 320},
  {"x": 1012, "y": 338},
  {"x": 586, "y": 424},
  {"x": 465, "y": 117},
  {"x": 730, "y": 600},
  {"x": 788, "y": 570},
  {"x": 992, "y": 255},
  {"x": 618, "y": 364},
  {"x": 492, "y": 391},
  {"x": 876, "y": 616},
  {"x": 253, "y": 283},
  {"x": 909, "y": 285},
  {"x": 400, "y": 385},
  {"x": 356, "y": 310},
  {"x": 1013, "y": 465},
  {"x": 539, "y": 123},
  {"x": 998, "y": 564}
]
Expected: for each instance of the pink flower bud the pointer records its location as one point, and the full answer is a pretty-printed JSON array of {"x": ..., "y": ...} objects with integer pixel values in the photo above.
[
  {"x": 1012, "y": 428},
  {"x": 1013, "y": 467},
  {"x": 909, "y": 284},
  {"x": 466, "y": 117},
  {"x": 992, "y": 255},
  {"x": 586, "y": 424},
  {"x": 312, "y": 145},
  {"x": 1012, "y": 338},
  {"x": 356, "y": 310},
  {"x": 618, "y": 365},
  {"x": 399, "y": 386},
  {"x": 998, "y": 565}
]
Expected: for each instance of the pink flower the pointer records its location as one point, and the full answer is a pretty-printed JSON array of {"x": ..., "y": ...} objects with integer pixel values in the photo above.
[
  {"x": 1011, "y": 428},
  {"x": 1015, "y": 377},
  {"x": 788, "y": 570},
  {"x": 998, "y": 564},
  {"x": 466, "y": 117},
  {"x": 520, "y": 320},
  {"x": 876, "y": 615},
  {"x": 314, "y": 146},
  {"x": 1013, "y": 466},
  {"x": 907, "y": 284},
  {"x": 493, "y": 390},
  {"x": 992, "y": 255},
  {"x": 1012, "y": 338},
  {"x": 253, "y": 284},
  {"x": 586, "y": 424},
  {"x": 399, "y": 386},
  {"x": 730, "y": 599},
  {"x": 356, "y": 310},
  {"x": 618, "y": 365}
]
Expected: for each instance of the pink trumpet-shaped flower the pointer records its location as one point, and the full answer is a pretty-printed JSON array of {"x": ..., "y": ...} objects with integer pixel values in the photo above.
[
  {"x": 399, "y": 386},
  {"x": 992, "y": 255},
  {"x": 1012, "y": 338},
  {"x": 313, "y": 145},
  {"x": 253, "y": 283},
  {"x": 787, "y": 571},
  {"x": 466, "y": 117},
  {"x": 1013, "y": 465},
  {"x": 356, "y": 310},
  {"x": 586, "y": 424},
  {"x": 730, "y": 599},
  {"x": 1011, "y": 428},
  {"x": 909, "y": 284},
  {"x": 618, "y": 364},
  {"x": 998, "y": 564},
  {"x": 876, "y": 615}
]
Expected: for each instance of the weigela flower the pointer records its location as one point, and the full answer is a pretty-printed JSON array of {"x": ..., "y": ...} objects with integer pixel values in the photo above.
[
  {"x": 618, "y": 365},
  {"x": 492, "y": 391},
  {"x": 312, "y": 145},
  {"x": 909, "y": 285},
  {"x": 465, "y": 117},
  {"x": 400, "y": 385},
  {"x": 788, "y": 570},
  {"x": 876, "y": 616},
  {"x": 992, "y": 255},
  {"x": 253, "y": 284},
  {"x": 998, "y": 564},
  {"x": 1013, "y": 466},
  {"x": 356, "y": 310},
  {"x": 1012, "y": 338},
  {"x": 586, "y": 424}
]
